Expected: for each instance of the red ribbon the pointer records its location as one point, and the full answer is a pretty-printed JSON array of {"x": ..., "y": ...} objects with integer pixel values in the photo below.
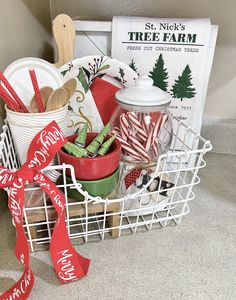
[{"x": 69, "y": 265}]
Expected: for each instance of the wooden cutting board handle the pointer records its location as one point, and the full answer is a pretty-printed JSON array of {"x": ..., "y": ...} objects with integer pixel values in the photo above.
[{"x": 64, "y": 34}]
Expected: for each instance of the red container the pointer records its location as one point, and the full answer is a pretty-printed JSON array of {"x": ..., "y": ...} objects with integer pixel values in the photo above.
[{"x": 92, "y": 168}]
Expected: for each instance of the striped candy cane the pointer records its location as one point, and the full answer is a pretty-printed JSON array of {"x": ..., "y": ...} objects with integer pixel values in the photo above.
[
  {"x": 161, "y": 121},
  {"x": 164, "y": 119},
  {"x": 145, "y": 121},
  {"x": 149, "y": 140},
  {"x": 137, "y": 126},
  {"x": 137, "y": 145},
  {"x": 124, "y": 127},
  {"x": 115, "y": 130},
  {"x": 126, "y": 147},
  {"x": 134, "y": 147},
  {"x": 156, "y": 130},
  {"x": 155, "y": 148}
]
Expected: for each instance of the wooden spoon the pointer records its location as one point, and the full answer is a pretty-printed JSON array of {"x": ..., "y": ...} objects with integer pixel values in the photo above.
[
  {"x": 45, "y": 92},
  {"x": 57, "y": 99},
  {"x": 70, "y": 87}
]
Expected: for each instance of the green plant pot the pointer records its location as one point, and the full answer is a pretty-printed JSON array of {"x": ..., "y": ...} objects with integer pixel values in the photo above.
[{"x": 101, "y": 187}]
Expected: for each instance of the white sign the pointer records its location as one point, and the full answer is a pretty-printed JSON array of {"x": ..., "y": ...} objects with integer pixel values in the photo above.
[{"x": 176, "y": 53}]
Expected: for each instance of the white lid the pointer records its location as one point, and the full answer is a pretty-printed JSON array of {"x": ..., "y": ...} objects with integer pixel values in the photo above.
[{"x": 143, "y": 93}]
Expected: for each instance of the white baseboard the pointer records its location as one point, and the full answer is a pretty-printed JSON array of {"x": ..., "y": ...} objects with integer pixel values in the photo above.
[{"x": 221, "y": 133}]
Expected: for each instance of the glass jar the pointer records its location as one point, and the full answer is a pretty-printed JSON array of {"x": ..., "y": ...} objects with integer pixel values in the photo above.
[{"x": 142, "y": 122}]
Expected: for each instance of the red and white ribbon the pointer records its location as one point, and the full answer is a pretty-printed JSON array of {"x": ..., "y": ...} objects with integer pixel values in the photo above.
[{"x": 68, "y": 263}]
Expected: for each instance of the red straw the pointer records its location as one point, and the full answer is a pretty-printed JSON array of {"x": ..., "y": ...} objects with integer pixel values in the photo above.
[
  {"x": 12, "y": 92},
  {"x": 8, "y": 100},
  {"x": 36, "y": 90}
]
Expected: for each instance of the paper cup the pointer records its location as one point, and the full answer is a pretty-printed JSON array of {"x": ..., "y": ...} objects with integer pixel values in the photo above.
[
  {"x": 36, "y": 118},
  {"x": 24, "y": 130}
]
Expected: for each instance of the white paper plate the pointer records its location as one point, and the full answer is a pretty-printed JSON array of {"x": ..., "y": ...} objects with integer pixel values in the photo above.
[
  {"x": 17, "y": 74},
  {"x": 82, "y": 105}
]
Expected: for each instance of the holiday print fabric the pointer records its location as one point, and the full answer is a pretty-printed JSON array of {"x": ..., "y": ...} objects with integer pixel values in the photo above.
[{"x": 98, "y": 78}]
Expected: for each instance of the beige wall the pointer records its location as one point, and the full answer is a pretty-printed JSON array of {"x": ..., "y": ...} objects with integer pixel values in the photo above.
[
  {"x": 221, "y": 100},
  {"x": 25, "y": 31}
]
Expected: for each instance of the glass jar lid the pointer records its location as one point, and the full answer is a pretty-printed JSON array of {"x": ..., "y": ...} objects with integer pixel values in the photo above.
[{"x": 143, "y": 93}]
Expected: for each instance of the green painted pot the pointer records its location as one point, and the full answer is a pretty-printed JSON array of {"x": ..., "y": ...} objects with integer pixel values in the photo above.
[{"x": 101, "y": 187}]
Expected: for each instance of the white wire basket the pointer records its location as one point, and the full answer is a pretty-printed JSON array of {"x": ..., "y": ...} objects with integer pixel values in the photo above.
[{"x": 95, "y": 218}]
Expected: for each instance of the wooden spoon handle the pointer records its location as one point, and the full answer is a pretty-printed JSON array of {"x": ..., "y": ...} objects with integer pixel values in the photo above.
[{"x": 64, "y": 34}]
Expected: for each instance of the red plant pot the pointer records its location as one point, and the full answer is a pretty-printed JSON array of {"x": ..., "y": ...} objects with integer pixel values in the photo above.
[{"x": 92, "y": 168}]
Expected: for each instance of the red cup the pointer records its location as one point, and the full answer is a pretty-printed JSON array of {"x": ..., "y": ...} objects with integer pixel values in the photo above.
[{"x": 92, "y": 168}]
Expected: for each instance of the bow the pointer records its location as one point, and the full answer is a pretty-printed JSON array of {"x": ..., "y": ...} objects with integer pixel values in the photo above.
[{"x": 68, "y": 264}]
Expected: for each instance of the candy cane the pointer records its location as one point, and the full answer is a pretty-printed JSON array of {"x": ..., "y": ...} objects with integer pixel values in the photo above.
[
  {"x": 156, "y": 130},
  {"x": 139, "y": 147},
  {"x": 154, "y": 141},
  {"x": 137, "y": 126},
  {"x": 126, "y": 146},
  {"x": 164, "y": 119},
  {"x": 124, "y": 127},
  {"x": 155, "y": 148},
  {"x": 145, "y": 121},
  {"x": 161, "y": 121},
  {"x": 148, "y": 134},
  {"x": 140, "y": 117},
  {"x": 115, "y": 130},
  {"x": 149, "y": 140}
]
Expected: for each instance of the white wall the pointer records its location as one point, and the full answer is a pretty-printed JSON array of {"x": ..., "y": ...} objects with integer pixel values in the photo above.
[
  {"x": 221, "y": 102},
  {"x": 25, "y": 31}
]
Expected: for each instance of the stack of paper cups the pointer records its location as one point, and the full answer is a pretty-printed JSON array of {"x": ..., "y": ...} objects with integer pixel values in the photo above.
[{"x": 24, "y": 126}]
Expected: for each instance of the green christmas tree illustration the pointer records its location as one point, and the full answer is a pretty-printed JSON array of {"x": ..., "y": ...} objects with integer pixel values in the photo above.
[
  {"x": 159, "y": 74},
  {"x": 133, "y": 66},
  {"x": 183, "y": 88}
]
